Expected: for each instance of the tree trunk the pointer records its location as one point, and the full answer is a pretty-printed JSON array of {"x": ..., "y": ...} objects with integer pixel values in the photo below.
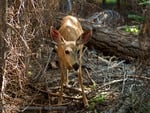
[
  {"x": 2, "y": 49},
  {"x": 2, "y": 33}
]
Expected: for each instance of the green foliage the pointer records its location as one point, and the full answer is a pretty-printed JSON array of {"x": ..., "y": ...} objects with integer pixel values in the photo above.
[
  {"x": 93, "y": 86},
  {"x": 131, "y": 29},
  {"x": 137, "y": 18},
  {"x": 144, "y": 2},
  {"x": 148, "y": 104},
  {"x": 96, "y": 100},
  {"x": 108, "y": 1},
  {"x": 111, "y": 1}
]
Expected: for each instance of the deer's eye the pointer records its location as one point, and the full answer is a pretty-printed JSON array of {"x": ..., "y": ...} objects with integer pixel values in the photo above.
[{"x": 67, "y": 52}]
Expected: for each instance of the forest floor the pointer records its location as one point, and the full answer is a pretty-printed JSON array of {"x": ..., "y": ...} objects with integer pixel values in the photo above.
[{"x": 112, "y": 85}]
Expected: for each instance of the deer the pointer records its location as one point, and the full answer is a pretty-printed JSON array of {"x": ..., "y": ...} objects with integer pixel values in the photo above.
[{"x": 69, "y": 40}]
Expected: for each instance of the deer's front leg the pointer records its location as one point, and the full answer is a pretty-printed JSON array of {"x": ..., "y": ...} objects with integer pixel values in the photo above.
[
  {"x": 60, "y": 99},
  {"x": 66, "y": 79},
  {"x": 85, "y": 101}
]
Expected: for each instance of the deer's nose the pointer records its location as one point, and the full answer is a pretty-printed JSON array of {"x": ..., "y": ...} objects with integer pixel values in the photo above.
[{"x": 75, "y": 66}]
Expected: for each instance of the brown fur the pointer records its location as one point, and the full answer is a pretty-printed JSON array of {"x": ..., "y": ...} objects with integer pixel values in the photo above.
[
  {"x": 70, "y": 39},
  {"x": 70, "y": 28}
]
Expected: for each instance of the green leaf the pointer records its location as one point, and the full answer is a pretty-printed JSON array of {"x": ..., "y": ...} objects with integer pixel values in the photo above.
[
  {"x": 136, "y": 17},
  {"x": 145, "y": 2}
]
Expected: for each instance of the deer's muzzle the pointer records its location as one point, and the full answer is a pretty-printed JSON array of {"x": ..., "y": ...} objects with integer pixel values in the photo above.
[{"x": 76, "y": 66}]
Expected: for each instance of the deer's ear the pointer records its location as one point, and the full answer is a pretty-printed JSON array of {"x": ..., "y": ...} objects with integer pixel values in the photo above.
[
  {"x": 84, "y": 38},
  {"x": 55, "y": 35}
]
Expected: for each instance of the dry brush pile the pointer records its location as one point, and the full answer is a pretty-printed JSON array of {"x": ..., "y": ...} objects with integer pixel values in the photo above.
[{"x": 28, "y": 23}]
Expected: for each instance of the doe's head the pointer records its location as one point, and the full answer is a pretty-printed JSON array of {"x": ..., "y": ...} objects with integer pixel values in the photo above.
[{"x": 68, "y": 51}]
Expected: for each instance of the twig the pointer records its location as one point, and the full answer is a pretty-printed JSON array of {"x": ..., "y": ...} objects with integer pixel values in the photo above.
[
  {"x": 116, "y": 64},
  {"x": 139, "y": 77},
  {"x": 48, "y": 61},
  {"x": 90, "y": 95},
  {"x": 47, "y": 108},
  {"x": 24, "y": 41},
  {"x": 92, "y": 81},
  {"x": 54, "y": 94},
  {"x": 104, "y": 60},
  {"x": 123, "y": 84}
]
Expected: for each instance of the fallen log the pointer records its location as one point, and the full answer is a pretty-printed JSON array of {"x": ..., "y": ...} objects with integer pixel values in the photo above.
[{"x": 117, "y": 42}]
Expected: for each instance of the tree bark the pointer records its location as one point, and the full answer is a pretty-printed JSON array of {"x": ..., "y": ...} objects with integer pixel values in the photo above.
[{"x": 109, "y": 40}]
